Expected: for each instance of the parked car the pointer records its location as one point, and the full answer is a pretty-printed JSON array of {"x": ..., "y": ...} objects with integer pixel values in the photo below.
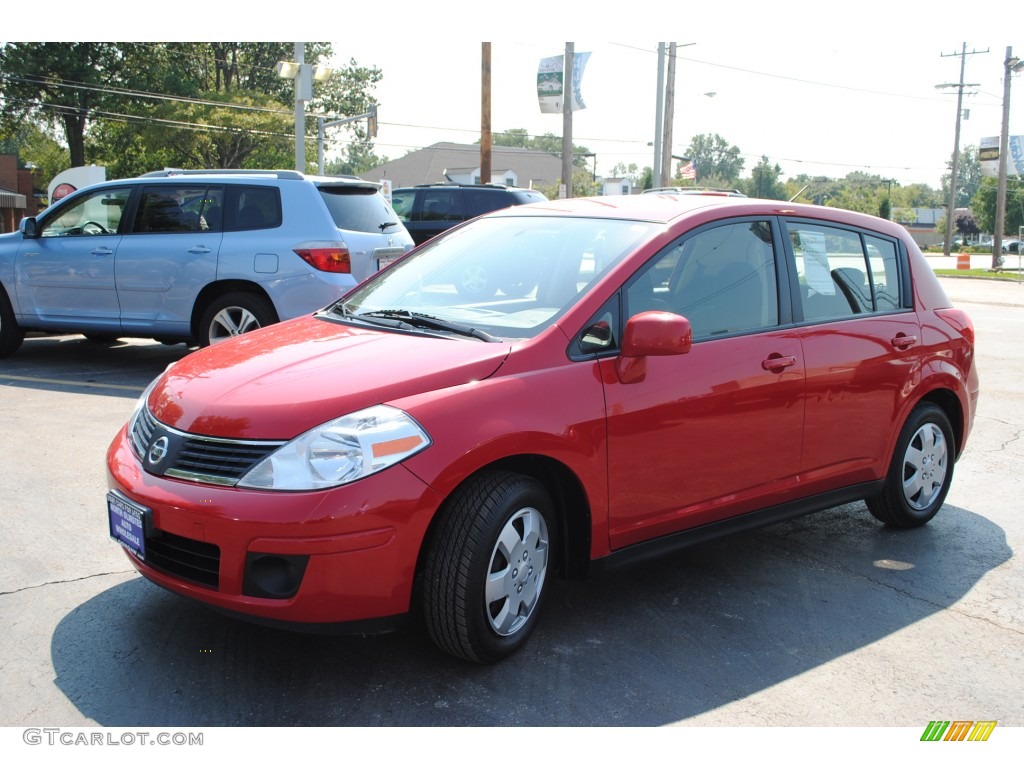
[
  {"x": 194, "y": 256},
  {"x": 426, "y": 210},
  {"x": 692, "y": 191},
  {"x": 1011, "y": 246},
  {"x": 682, "y": 368}
]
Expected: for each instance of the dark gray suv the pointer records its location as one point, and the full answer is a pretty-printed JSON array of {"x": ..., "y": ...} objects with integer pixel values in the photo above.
[{"x": 427, "y": 210}]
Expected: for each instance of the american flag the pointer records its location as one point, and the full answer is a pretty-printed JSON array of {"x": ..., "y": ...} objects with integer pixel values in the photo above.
[{"x": 689, "y": 171}]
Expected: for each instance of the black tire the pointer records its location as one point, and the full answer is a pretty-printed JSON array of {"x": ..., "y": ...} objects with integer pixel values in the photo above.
[
  {"x": 496, "y": 523},
  {"x": 233, "y": 314},
  {"x": 920, "y": 472},
  {"x": 11, "y": 334}
]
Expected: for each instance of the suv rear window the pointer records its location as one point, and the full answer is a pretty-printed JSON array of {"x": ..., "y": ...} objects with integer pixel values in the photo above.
[{"x": 357, "y": 209}]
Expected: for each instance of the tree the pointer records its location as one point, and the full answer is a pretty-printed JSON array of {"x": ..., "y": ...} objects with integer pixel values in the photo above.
[
  {"x": 764, "y": 181},
  {"x": 65, "y": 85},
  {"x": 210, "y": 104},
  {"x": 968, "y": 177},
  {"x": 715, "y": 158},
  {"x": 984, "y": 205},
  {"x": 360, "y": 158},
  {"x": 548, "y": 142}
]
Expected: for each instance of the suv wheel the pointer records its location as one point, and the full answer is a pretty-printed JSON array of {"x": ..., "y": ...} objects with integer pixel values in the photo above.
[
  {"x": 920, "y": 472},
  {"x": 234, "y": 314},
  {"x": 487, "y": 568},
  {"x": 11, "y": 334}
]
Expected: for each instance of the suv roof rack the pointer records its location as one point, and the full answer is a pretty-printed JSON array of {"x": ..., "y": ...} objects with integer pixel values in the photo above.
[
  {"x": 224, "y": 172},
  {"x": 460, "y": 184}
]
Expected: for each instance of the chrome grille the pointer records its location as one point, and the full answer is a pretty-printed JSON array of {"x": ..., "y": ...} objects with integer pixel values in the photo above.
[{"x": 213, "y": 460}]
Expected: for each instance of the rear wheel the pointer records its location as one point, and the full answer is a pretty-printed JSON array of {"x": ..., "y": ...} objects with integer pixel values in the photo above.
[
  {"x": 234, "y": 314},
  {"x": 920, "y": 472},
  {"x": 11, "y": 334},
  {"x": 486, "y": 570}
]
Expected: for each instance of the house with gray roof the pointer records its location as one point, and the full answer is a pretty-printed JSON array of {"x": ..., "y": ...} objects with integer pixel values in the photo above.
[{"x": 448, "y": 161}]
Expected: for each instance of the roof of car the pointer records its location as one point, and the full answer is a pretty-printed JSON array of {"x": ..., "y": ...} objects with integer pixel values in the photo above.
[{"x": 667, "y": 208}]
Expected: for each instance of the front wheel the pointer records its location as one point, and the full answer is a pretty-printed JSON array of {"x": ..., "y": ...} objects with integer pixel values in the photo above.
[
  {"x": 234, "y": 314},
  {"x": 920, "y": 472},
  {"x": 11, "y": 334},
  {"x": 486, "y": 570}
]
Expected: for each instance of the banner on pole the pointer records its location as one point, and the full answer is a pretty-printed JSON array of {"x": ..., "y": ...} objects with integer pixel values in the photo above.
[
  {"x": 551, "y": 86},
  {"x": 988, "y": 156}
]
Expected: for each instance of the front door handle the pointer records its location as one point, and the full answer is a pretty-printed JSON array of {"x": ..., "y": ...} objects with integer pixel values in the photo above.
[{"x": 777, "y": 363}]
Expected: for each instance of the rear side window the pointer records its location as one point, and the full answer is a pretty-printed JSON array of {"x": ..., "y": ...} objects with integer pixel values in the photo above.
[
  {"x": 480, "y": 201},
  {"x": 843, "y": 273},
  {"x": 358, "y": 209},
  {"x": 176, "y": 208},
  {"x": 247, "y": 208},
  {"x": 441, "y": 205}
]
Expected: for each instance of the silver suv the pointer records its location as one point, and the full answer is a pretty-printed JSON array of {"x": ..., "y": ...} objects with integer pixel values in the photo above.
[{"x": 194, "y": 256}]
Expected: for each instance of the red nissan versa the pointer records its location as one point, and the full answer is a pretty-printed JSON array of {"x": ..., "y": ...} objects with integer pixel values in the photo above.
[{"x": 669, "y": 368}]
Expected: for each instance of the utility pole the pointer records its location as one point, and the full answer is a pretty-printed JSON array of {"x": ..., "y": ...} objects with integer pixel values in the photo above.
[
  {"x": 951, "y": 208},
  {"x": 300, "y": 108},
  {"x": 567, "y": 94},
  {"x": 670, "y": 102},
  {"x": 659, "y": 112},
  {"x": 1010, "y": 65},
  {"x": 485, "y": 113}
]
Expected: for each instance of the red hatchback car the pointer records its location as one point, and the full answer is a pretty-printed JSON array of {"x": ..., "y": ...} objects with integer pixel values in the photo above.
[{"x": 666, "y": 370}]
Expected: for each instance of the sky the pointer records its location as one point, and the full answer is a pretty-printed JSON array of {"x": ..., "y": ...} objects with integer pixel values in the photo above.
[
  {"x": 816, "y": 93},
  {"x": 820, "y": 88}
]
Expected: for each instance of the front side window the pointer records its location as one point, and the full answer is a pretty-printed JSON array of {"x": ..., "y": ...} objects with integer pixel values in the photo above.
[
  {"x": 721, "y": 279},
  {"x": 842, "y": 273},
  {"x": 96, "y": 214}
]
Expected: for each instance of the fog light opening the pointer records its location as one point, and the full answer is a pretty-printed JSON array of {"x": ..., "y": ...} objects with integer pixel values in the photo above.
[{"x": 274, "y": 576}]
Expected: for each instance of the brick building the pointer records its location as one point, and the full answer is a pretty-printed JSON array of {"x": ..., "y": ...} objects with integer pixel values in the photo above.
[{"x": 17, "y": 198}]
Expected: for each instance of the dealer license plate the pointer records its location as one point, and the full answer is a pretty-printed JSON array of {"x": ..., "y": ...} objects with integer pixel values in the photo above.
[{"x": 127, "y": 524}]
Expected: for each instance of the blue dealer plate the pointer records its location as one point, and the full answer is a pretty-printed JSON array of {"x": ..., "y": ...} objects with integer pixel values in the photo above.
[{"x": 127, "y": 524}]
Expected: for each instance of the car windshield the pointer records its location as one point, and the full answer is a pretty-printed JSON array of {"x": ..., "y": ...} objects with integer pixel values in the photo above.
[{"x": 510, "y": 277}]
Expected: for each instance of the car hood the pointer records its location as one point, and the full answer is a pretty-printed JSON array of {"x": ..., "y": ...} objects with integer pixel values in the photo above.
[{"x": 278, "y": 382}]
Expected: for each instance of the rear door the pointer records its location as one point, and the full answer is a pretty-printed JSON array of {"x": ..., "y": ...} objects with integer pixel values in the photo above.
[
  {"x": 861, "y": 345},
  {"x": 168, "y": 256}
]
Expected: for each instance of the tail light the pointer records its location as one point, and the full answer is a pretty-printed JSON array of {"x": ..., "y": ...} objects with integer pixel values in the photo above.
[
  {"x": 326, "y": 256},
  {"x": 959, "y": 321}
]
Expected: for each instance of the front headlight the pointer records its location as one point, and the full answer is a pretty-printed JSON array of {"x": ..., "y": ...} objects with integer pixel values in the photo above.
[{"x": 340, "y": 451}]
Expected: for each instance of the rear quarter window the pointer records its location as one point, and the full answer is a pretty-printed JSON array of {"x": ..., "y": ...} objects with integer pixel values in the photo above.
[{"x": 357, "y": 209}]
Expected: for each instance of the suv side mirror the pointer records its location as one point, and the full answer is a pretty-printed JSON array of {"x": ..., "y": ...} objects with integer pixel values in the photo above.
[{"x": 28, "y": 227}]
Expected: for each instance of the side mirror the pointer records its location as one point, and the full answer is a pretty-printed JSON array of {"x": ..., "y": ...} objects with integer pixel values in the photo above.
[
  {"x": 28, "y": 227},
  {"x": 656, "y": 334},
  {"x": 651, "y": 334}
]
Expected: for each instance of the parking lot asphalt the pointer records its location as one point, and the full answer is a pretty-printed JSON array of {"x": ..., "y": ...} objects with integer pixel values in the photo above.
[{"x": 826, "y": 620}]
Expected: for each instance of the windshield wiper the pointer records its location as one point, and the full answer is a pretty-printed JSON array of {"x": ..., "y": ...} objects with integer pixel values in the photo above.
[
  {"x": 387, "y": 224},
  {"x": 405, "y": 318}
]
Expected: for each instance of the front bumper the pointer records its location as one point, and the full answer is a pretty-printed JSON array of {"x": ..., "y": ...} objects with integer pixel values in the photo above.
[{"x": 353, "y": 549}]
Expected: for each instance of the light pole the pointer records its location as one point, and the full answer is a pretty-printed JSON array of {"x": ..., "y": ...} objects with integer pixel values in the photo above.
[
  {"x": 1010, "y": 65},
  {"x": 303, "y": 74}
]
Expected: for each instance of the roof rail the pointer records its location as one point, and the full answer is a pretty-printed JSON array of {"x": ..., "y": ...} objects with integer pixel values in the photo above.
[{"x": 223, "y": 172}]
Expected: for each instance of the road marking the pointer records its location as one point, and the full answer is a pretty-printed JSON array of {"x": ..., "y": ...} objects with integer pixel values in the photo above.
[{"x": 66, "y": 382}]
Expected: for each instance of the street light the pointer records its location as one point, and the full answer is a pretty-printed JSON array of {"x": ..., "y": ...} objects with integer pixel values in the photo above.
[
  {"x": 304, "y": 75},
  {"x": 1010, "y": 65}
]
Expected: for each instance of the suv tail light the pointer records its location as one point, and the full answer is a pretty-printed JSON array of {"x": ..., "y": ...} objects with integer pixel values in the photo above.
[
  {"x": 959, "y": 321},
  {"x": 326, "y": 256}
]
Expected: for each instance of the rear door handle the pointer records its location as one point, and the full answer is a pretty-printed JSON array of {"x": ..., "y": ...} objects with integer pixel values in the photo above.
[
  {"x": 101, "y": 251},
  {"x": 776, "y": 362},
  {"x": 903, "y": 342},
  {"x": 198, "y": 249}
]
